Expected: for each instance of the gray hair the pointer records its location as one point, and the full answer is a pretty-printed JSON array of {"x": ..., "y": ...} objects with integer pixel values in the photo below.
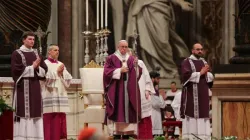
[
  {"x": 121, "y": 42},
  {"x": 50, "y": 48}
]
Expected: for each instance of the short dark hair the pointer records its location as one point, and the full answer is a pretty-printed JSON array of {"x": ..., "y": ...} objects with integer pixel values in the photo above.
[
  {"x": 173, "y": 82},
  {"x": 197, "y": 43},
  {"x": 154, "y": 74},
  {"x": 26, "y": 34}
]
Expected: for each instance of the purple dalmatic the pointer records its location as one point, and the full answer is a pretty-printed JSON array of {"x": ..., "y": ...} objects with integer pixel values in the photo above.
[
  {"x": 122, "y": 100},
  {"x": 195, "y": 93},
  {"x": 27, "y": 99}
]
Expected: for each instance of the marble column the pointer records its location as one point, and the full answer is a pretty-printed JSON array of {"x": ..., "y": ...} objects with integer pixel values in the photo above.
[
  {"x": 53, "y": 24},
  {"x": 196, "y": 23},
  {"x": 65, "y": 32},
  {"x": 229, "y": 30},
  {"x": 76, "y": 36}
]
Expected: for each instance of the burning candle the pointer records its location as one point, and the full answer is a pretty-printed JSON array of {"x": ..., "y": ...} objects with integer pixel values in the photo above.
[
  {"x": 97, "y": 16},
  {"x": 106, "y": 13},
  {"x": 87, "y": 13},
  {"x": 102, "y": 14}
]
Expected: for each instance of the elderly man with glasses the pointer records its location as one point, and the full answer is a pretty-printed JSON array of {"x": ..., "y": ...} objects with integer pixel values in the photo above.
[{"x": 122, "y": 94}]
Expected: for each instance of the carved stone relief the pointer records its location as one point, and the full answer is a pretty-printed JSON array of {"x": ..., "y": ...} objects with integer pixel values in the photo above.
[{"x": 212, "y": 30}]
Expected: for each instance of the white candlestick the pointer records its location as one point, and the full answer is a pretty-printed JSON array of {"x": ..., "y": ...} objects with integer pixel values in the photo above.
[
  {"x": 106, "y": 13},
  {"x": 87, "y": 12},
  {"x": 102, "y": 14},
  {"x": 97, "y": 17}
]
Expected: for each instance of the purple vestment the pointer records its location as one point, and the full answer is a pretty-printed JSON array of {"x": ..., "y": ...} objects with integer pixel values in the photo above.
[
  {"x": 195, "y": 96},
  {"x": 28, "y": 104},
  {"x": 115, "y": 91}
]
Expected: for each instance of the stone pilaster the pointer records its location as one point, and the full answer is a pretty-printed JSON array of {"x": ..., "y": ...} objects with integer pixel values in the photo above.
[{"x": 65, "y": 32}]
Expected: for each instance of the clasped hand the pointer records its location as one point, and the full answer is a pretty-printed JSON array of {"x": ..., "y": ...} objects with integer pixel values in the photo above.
[
  {"x": 205, "y": 69},
  {"x": 36, "y": 63},
  {"x": 60, "y": 69},
  {"x": 124, "y": 69},
  {"x": 147, "y": 94}
]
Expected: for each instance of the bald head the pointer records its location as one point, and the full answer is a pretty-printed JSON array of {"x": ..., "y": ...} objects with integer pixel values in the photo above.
[
  {"x": 122, "y": 47},
  {"x": 197, "y": 50}
]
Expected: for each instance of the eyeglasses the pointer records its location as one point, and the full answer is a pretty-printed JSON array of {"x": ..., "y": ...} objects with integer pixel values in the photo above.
[{"x": 124, "y": 46}]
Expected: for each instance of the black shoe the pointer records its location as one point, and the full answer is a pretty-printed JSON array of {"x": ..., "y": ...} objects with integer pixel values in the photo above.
[
  {"x": 116, "y": 137},
  {"x": 125, "y": 137},
  {"x": 133, "y": 136}
]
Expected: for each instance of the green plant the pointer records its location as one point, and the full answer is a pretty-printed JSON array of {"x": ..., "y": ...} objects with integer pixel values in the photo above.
[
  {"x": 159, "y": 138},
  {"x": 229, "y": 138},
  {"x": 4, "y": 106},
  {"x": 130, "y": 138}
]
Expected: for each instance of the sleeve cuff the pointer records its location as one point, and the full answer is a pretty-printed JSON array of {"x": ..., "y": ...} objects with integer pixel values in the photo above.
[
  {"x": 210, "y": 77},
  {"x": 66, "y": 83},
  {"x": 117, "y": 74},
  {"x": 66, "y": 79},
  {"x": 41, "y": 72},
  {"x": 66, "y": 75},
  {"x": 195, "y": 77},
  {"x": 28, "y": 71}
]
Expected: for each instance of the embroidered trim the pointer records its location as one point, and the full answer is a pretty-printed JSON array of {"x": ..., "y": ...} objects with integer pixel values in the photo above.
[
  {"x": 26, "y": 98},
  {"x": 195, "y": 92},
  {"x": 36, "y": 53},
  {"x": 23, "y": 58},
  {"x": 26, "y": 89},
  {"x": 185, "y": 100},
  {"x": 55, "y": 102}
]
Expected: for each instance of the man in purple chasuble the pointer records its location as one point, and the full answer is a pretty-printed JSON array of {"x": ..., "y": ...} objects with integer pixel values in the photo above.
[
  {"x": 27, "y": 69},
  {"x": 196, "y": 80},
  {"x": 123, "y": 104}
]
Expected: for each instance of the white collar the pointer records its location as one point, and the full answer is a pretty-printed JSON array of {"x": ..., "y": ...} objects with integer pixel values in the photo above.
[
  {"x": 195, "y": 58},
  {"x": 25, "y": 49},
  {"x": 122, "y": 57}
]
